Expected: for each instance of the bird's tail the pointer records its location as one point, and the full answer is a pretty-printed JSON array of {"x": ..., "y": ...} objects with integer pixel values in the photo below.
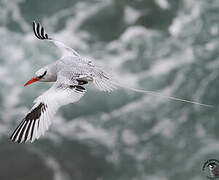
[{"x": 162, "y": 95}]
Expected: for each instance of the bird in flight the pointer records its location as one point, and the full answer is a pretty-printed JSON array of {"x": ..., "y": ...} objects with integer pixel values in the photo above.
[{"x": 70, "y": 73}]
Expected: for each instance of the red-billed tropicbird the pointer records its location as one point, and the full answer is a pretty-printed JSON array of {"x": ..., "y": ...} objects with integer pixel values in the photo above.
[{"x": 70, "y": 73}]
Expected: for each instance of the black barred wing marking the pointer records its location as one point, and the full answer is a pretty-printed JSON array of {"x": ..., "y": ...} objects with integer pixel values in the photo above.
[
  {"x": 39, "y": 31},
  {"x": 38, "y": 120},
  {"x": 25, "y": 129}
]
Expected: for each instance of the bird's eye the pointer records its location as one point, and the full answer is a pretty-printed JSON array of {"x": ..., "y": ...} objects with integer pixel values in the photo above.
[{"x": 41, "y": 76}]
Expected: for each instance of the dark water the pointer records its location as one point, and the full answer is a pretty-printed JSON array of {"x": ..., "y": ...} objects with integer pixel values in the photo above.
[{"x": 170, "y": 46}]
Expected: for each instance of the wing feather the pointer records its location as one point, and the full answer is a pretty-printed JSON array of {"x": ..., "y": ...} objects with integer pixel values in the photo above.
[
  {"x": 38, "y": 120},
  {"x": 41, "y": 34},
  {"x": 103, "y": 81}
]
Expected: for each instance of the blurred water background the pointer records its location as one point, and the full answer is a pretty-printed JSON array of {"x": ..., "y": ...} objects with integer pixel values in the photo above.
[{"x": 170, "y": 46}]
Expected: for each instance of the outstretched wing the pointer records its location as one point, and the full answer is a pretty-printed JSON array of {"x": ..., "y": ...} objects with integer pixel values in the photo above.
[
  {"x": 38, "y": 120},
  {"x": 40, "y": 33}
]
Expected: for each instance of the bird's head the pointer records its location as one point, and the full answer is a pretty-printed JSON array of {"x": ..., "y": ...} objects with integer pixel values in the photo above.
[{"x": 40, "y": 75}]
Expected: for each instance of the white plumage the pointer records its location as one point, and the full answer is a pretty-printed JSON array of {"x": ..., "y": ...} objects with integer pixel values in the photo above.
[{"x": 70, "y": 73}]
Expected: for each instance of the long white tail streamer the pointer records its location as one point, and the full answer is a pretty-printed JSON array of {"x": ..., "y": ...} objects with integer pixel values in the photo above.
[{"x": 163, "y": 96}]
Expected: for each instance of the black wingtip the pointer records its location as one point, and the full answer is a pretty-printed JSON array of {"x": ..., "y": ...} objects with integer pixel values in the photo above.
[
  {"x": 11, "y": 138},
  {"x": 39, "y": 31},
  {"x": 15, "y": 134}
]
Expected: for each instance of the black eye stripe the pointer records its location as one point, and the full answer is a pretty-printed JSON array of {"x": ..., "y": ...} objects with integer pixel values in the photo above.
[{"x": 42, "y": 75}]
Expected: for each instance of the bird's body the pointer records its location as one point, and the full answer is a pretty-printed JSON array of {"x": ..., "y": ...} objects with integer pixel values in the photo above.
[{"x": 70, "y": 73}]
